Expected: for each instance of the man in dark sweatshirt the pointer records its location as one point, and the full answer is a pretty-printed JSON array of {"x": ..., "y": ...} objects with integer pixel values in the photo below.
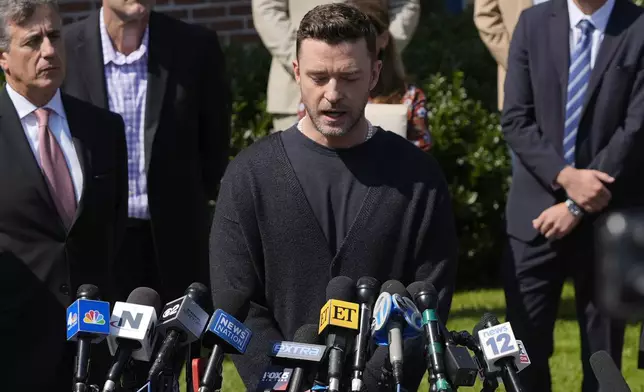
[{"x": 331, "y": 196}]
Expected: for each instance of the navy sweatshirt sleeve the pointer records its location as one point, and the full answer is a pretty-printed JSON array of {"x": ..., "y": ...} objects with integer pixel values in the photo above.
[{"x": 232, "y": 267}]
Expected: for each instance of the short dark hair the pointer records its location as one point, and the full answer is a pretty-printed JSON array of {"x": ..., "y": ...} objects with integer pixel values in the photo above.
[{"x": 336, "y": 23}]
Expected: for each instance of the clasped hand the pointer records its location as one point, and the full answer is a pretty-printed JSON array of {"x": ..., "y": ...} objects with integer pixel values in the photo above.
[{"x": 587, "y": 189}]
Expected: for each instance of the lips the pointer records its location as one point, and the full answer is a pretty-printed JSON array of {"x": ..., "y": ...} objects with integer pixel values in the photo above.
[
  {"x": 333, "y": 114},
  {"x": 48, "y": 69}
]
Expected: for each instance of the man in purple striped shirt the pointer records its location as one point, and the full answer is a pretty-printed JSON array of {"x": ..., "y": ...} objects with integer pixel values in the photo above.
[{"x": 166, "y": 79}]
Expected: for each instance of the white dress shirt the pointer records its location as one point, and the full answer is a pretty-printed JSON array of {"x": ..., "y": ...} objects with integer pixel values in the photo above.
[
  {"x": 599, "y": 19},
  {"x": 58, "y": 127},
  {"x": 535, "y": 2}
]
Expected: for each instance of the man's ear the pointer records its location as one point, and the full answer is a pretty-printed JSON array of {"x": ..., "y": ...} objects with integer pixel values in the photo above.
[
  {"x": 375, "y": 74},
  {"x": 296, "y": 70},
  {"x": 4, "y": 62}
]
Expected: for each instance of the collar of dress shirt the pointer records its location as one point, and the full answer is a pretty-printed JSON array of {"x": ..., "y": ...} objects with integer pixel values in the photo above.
[
  {"x": 110, "y": 55},
  {"x": 25, "y": 108},
  {"x": 599, "y": 18}
]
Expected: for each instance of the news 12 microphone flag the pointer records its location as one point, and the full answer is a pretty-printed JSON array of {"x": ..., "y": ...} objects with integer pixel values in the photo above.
[
  {"x": 499, "y": 342},
  {"x": 88, "y": 316},
  {"x": 231, "y": 330}
]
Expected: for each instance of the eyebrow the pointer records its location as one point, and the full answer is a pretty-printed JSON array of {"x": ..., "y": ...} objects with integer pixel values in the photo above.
[
  {"x": 38, "y": 33},
  {"x": 343, "y": 72}
]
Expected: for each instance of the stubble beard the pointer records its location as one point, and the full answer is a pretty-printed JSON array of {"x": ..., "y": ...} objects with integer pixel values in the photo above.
[{"x": 324, "y": 130}]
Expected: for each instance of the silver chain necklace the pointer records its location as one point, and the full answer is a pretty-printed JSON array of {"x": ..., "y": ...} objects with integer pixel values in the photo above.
[{"x": 370, "y": 131}]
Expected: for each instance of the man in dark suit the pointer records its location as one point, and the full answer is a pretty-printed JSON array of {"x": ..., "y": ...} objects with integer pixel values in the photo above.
[
  {"x": 166, "y": 78},
  {"x": 62, "y": 201},
  {"x": 573, "y": 114}
]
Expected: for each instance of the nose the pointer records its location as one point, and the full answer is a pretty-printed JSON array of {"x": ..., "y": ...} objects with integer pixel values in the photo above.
[
  {"x": 47, "y": 48},
  {"x": 332, "y": 92}
]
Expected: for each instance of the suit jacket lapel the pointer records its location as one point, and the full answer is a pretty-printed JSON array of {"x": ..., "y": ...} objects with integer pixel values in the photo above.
[
  {"x": 612, "y": 38},
  {"x": 560, "y": 44},
  {"x": 90, "y": 50},
  {"x": 159, "y": 58},
  {"x": 11, "y": 128},
  {"x": 80, "y": 134}
]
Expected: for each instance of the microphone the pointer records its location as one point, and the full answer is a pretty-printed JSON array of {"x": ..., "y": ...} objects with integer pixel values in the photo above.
[
  {"x": 182, "y": 321},
  {"x": 395, "y": 318},
  {"x": 500, "y": 350},
  {"x": 607, "y": 373},
  {"x": 338, "y": 319},
  {"x": 367, "y": 292},
  {"x": 426, "y": 299},
  {"x": 301, "y": 352},
  {"x": 85, "y": 325},
  {"x": 132, "y": 331},
  {"x": 223, "y": 334}
]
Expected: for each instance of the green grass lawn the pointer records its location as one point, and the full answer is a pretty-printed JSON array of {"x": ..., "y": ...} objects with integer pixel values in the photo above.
[{"x": 467, "y": 309}]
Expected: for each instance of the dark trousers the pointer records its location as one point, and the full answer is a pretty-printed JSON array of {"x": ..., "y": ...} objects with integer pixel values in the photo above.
[
  {"x": 136, "y": 266},
  {"x": 533, "y": 276}
]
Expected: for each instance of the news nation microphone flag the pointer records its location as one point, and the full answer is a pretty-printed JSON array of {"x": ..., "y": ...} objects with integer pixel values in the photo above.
[
  {"x": 88, "y": 317},
  {"x": 230, "y": 330},
  {"x": 224, "y": 334}
]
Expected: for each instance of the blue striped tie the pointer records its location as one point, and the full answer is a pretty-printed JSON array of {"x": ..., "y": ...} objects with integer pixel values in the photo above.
[{"x": 578, "y": 77}]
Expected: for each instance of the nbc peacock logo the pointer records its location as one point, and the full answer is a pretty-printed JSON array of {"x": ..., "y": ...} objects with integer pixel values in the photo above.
[{"x": 94, "y": 317}]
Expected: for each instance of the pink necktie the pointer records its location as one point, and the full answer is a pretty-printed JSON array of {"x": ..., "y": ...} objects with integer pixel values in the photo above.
[{"x": 55, "y": 168}]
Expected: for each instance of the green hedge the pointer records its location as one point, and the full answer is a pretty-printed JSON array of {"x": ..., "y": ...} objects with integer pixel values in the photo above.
[{"x": 447, "y": 59}]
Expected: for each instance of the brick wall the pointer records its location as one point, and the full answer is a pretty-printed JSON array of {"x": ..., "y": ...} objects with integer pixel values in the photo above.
[{"x": 230, "y": 18}]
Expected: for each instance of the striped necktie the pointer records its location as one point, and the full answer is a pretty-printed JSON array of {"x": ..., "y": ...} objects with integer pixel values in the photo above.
[{"x": 578, "y": 77}]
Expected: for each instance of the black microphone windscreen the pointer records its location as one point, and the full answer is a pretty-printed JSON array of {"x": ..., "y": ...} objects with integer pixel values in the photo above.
[
  {"x": 367, "y": 282},
  {"x": 607, "y": 373},
  {"x": 342, "y": 288},
  {"x": 307, "y": 333},
  {"x": 487, "y": 319},
  {"x": 367, "y": 289},
  {"x": 145, "y": 296},
  {"x": 199, "y": 293},
  {"x": 394, "y": 287},
  {"x": 427, "y": 290},
  {"x": 88, "y": 291}
]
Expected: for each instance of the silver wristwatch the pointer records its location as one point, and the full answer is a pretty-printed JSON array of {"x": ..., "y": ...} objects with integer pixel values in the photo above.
[{"x": 574, "y": 209}]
